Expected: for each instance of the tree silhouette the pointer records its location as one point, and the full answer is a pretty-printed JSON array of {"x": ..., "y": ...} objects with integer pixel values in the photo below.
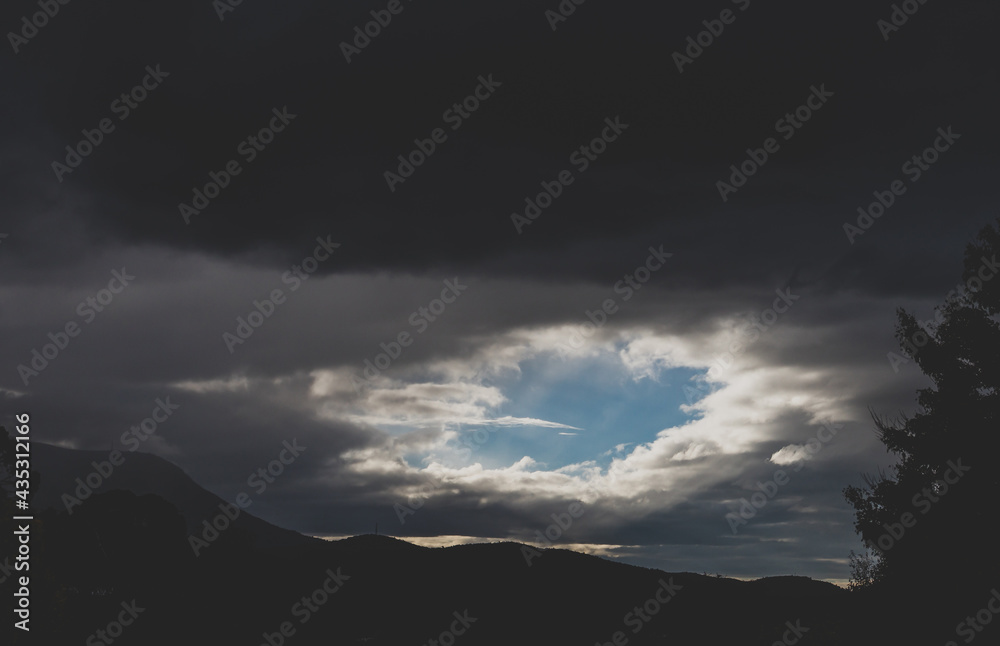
[{"x": 928, "y": 519}]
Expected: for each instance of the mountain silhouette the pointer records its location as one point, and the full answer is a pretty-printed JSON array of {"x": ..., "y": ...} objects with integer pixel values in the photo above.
[
  {"x": 127, "y": 543},
  {"x": 144, "y": 473}
]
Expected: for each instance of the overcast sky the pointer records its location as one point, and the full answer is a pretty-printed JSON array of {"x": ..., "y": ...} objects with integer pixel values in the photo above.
[{"x": 654, "y": 341}]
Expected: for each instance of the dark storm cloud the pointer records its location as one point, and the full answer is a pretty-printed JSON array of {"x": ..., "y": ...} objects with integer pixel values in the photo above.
[
  {"x": 323, "y": 176},
  {"x": 325, "y": 171}
]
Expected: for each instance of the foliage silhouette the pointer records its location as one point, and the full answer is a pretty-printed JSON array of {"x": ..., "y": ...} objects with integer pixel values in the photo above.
[{"x": 928, "y": 520}]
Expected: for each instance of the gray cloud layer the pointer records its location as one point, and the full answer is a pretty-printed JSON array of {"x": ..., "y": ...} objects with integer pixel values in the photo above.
[{"x": 665, "y": 501}]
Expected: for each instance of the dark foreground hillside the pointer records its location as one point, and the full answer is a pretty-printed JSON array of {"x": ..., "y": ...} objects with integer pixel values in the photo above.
[{"x": 126, "y": 557}]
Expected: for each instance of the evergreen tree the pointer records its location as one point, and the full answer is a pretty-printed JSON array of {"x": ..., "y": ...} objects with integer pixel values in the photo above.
[{"x": 928, "y": 520}]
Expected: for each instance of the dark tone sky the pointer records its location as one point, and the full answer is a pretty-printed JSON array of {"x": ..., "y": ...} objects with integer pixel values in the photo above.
[{"x": 659, "y": 480}]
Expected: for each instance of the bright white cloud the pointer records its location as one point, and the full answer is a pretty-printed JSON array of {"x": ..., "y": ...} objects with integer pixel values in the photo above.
[
  {"x": 748, "y": 406},
  {"x": 791, "y": 454}
]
